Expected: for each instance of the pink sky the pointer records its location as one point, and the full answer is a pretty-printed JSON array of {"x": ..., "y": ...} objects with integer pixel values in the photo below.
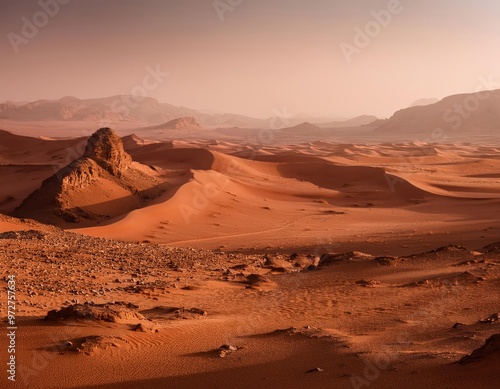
[{"x": 253, "y": 57}]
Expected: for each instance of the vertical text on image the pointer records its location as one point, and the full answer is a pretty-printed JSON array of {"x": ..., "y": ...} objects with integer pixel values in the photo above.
[{"x": 11, "y": 327}]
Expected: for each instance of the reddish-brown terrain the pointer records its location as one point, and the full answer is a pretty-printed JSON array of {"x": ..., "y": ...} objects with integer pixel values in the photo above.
[{"x": 229, "y": 264}]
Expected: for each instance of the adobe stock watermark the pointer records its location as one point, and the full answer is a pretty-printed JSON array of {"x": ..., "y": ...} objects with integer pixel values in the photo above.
[
  {"x": 364, "y": 36},
  {"x": 30, "y": 28},
  {"x": 280, "y": 120},
  {"x": 437, "y": 135},
  {"x": 222, "y": 7},
  {"x": 38, "y": 360},
  {"x": 454, "y": 118},
  {"x": 257, "y": 316},
  {"x": 471, "y": 103},
  {"x": 122, "y": 105},
  {"x": 424, "y": 319}
]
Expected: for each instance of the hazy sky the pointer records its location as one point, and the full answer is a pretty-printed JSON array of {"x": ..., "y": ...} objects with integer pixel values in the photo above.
[{"x": 251, "y": 57}]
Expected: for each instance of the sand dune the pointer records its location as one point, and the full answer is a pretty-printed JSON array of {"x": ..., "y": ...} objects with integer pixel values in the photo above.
[
  {"x": 229, "y": 199},
  {"x": 325, "y": 191}
]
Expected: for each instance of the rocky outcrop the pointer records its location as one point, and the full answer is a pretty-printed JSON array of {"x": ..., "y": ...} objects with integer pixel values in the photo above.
[
  {"x": 105, "y": 151},
  {"x": 105, "y": 148},
  {"x": 79, "y": 174},
  {"x": 104, "y": 173}
]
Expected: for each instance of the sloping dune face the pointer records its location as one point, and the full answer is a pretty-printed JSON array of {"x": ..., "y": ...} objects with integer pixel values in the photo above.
[
  {"x": 372, "y": 181},
  {"x": 223, "y": 195},
  {"x": 310, "y": 195}
]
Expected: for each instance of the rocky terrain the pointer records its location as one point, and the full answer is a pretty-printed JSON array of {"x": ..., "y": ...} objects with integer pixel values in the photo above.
[{"x": 342, "y": 312}]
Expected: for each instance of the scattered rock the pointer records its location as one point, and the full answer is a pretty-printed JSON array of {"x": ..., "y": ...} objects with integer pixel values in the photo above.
[
  {"x": 307, "y": 331},
  {"x": 387, "y": 261},
  {"x": 488, "y": 350},
  {"x": 27, "y": 234},
  {"x": 110, "y": 312},
  {"x": 450, "y": 248},
  {"x": 143, "y": 327},
  {"x": 89, "y": 344},
  {"x": 470, "y": 262},
  {"x": 352, "y": 256},
  {"x": 239, "y": 267},
  {"x": 190, "y": 287},
  {"x": 367, "y": 283},
  {"x": 280, "y": 270},
  {"x": 272, "y": 262},
  {"x": 494, "y": 247},
  {"x": 315, "y": 370},
  {"x": 490, "y": 319},
  {"x": 255, "y": 279},
  {"x": 173, "y": 313},
  {"x": 226, "y": 349}
]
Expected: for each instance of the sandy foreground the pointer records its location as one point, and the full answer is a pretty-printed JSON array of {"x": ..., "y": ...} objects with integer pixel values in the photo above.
[
  {"x": 316, "y": 265},
  {"x": 362, "y": 321}
]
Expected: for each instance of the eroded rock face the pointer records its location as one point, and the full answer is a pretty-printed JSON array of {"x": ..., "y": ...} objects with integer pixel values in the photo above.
[
  {"x": 106, "y": 149},
  {"x": 80, "y": 174}
]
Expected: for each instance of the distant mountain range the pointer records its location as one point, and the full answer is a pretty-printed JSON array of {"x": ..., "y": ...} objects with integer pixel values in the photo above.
[
  {"x": 145, "y": 111},
  {"x": 471, "y": 115},
  {"x": 108, "y": 109}
]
